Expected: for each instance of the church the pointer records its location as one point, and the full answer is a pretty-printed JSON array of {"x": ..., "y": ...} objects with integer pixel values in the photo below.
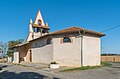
[{"x": 72, "y": 47}]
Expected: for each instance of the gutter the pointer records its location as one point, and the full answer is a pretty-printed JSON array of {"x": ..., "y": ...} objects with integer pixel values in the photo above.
[{"x": 81, "y": 33}]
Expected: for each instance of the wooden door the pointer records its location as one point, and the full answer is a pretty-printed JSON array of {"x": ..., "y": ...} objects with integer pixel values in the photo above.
[{"x": 30, "y": 56}]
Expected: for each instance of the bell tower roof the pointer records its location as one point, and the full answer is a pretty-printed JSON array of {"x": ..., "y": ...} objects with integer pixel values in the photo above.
[
  {"x": 39, "y": 22},
  {"x": 39, "y": 19}
]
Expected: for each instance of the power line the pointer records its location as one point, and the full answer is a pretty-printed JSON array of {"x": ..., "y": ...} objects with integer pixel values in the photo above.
[{"x": 111, "y": 28}]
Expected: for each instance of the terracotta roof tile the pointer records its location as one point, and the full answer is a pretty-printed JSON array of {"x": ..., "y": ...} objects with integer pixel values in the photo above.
[
  {"x": 68, "y": 30},
  {"x": 76, "y": 29}
]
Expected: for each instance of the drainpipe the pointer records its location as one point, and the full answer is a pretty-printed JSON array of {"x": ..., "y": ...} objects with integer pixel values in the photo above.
[{"x": 82, "y": 32}]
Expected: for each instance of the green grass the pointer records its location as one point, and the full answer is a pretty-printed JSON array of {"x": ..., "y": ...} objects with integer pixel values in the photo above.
[
  {"x": 81, "y": 68},
  {"x": 105, "y": 64},
  {"x": 87, "y": 67}
]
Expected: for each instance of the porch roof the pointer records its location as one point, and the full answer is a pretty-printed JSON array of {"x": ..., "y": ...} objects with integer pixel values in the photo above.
[{"x": 21, "y": 44}]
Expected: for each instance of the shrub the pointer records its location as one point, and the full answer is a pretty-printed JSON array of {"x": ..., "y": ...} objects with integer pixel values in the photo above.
[{"x": 53, "y": 62}]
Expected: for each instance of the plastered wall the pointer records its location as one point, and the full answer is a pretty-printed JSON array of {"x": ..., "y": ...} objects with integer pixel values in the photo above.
[
  {"x": 41, "y": 52},
  {"x": 91, "y": 51},
  {"x": 67, "y": 54}
]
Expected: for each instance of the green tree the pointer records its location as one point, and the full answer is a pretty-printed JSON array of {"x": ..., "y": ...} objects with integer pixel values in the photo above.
[{"x": 11, "y": 45}]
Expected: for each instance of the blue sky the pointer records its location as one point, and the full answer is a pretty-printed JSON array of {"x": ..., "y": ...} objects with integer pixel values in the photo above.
[{"x": 97, "y": 15}]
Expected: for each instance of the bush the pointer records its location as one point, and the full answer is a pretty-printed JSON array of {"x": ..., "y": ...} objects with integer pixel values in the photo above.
[{"x": 53, "y": 62}]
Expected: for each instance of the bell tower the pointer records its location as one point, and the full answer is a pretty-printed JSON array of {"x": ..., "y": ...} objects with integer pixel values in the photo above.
[{"x": 38, "y": 28}]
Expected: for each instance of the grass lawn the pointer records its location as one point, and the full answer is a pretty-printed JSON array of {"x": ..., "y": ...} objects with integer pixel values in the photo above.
[{"x": 87, "y": 67}]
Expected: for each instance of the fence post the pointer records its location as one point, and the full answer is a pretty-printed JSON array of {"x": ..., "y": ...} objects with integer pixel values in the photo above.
[
  {"x": 114, "y": 59},
  {"x": 106, "y": 58}
]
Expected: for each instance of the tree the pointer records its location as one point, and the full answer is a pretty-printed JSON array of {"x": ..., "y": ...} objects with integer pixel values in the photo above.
[
  {"x": 11, "y": 45},
  {"x": 3, "y": 49}
]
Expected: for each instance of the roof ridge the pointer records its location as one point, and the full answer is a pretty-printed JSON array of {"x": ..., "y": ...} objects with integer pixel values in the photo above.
[
  {"x": 70, "y": 28},
  {"x": 75, "y": 28}
]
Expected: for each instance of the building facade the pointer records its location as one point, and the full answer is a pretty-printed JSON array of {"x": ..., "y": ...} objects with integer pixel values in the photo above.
[{"x": 73, "y": 47}]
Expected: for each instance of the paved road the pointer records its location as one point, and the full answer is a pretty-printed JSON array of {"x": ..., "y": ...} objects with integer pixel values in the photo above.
[
  {"x": 112, "y": 72},
  {"x": 11, "y": 71}
]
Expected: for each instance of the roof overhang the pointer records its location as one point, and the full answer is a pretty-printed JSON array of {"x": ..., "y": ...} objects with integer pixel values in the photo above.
[{"x": 19, "y": 45}]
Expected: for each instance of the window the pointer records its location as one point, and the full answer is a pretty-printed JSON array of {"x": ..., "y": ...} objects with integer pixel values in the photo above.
[
  {"x": 39, "y": 22},
  {"x": 36, "y": 30},
  {"x": 66, "y": 39},
  {"x": 49, "y": 41},
  {"x": 44, "y": 31}
]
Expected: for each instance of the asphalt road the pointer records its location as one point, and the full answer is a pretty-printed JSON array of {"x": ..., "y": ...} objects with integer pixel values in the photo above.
[
  {"x": 11, "y": 71},
  {"x": 111, "y": 72}
]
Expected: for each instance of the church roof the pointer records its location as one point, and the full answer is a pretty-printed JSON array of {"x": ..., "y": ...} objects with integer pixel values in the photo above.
[
  {"x": 67, "y": 31},
  {"x": 76, "y": 29},
  {"x": 72, "y": 30}
]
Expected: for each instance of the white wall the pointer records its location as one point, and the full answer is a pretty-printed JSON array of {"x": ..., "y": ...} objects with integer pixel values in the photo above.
[
  {"x": 34, "y": 34},
  {"x": 67, "y": 54},
  {"x": 16, "y": 57},
  {"x": 29, "y": 36},
  {"x": 91, "y": 51},
  {"x": 39, "y": 43},
  {"x": 41, "y": 53}
]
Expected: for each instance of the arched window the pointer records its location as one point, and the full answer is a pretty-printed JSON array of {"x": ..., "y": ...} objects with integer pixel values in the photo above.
[
  {"x": 49, "y": 41},
  {"x": 66, "y": 39}
]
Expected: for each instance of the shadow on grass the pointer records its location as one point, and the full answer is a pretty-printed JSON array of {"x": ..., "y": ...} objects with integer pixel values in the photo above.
[{"x": 24, "y": 75}]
